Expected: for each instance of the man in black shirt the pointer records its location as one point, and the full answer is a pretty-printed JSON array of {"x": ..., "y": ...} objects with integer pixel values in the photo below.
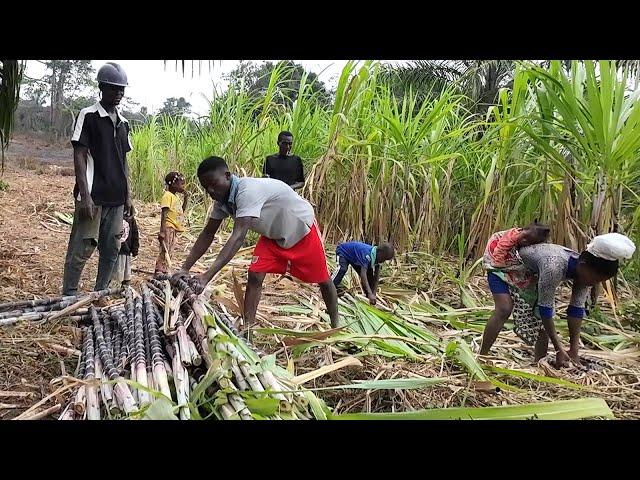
[
  {"x": 100, "y": 143},
  {"x": 284, "y": 166}
]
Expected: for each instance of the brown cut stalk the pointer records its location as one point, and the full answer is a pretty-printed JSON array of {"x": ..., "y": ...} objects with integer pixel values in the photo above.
[
  {"x": 67, "y": 413},
  {"x": 44, "y": 413},
  {"x": 80, "y": 401}
]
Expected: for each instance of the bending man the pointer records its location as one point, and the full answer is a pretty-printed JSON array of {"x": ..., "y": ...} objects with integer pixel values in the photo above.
[{"x": 286, "y": 222}]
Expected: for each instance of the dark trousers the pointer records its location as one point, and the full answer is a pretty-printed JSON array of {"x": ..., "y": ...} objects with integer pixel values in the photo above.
[
  {"x": 103, "y": 231},
  {"x": 341, "y": 271}
]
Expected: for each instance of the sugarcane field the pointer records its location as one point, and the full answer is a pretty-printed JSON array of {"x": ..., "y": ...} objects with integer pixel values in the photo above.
[{"x": 301, "y": 240}]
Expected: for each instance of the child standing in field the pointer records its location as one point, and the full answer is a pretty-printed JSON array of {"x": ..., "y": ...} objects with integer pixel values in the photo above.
[
  {"x": 129, "y": 246},
  {"x": 172, "y": 218},
  {"x": 364, "y": 259}
]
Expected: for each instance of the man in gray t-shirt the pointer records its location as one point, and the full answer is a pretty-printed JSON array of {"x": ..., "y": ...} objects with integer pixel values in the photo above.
[{"x": 289, "y": 236}]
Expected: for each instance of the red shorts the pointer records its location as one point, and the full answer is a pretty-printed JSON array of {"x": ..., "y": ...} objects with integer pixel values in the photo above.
[{"x": 306, "y": 259}]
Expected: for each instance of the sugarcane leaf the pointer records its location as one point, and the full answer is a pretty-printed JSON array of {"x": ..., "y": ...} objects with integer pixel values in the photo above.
[
  {"x": 265, "y": 406},
  {"x": 298, "y": 350},
  {"x": 267, "y": 363},
  {"x": 220, "y": 398},
  {"x": 388, "y": 384},
  {"x": 537, "y": 378},
  {"x": 214, "y": 373},
  {"x": 461, "y": 354},
  {"x": 210, "y": 321},
  {"x": 195, "y": 414},
  {"x": 161, "y": 409},
  {"x": 558, "y": 410},
  {"x": 318, "y": 407},
  {"x": 290, "y": 370},
  {"x": 154, "y": 393}
]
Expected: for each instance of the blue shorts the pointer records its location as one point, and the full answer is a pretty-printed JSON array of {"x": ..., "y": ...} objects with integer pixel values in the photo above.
[{"x": 496, "y": 284}]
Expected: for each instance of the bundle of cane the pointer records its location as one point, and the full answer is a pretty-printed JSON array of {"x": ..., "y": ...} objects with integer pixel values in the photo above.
[{"x": 120, "y": 390}]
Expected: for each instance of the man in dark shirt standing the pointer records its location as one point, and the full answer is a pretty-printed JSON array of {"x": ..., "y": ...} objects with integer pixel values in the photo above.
[
  {"x": 284, "y": 166},
  {"x": 100, "y": 143}
]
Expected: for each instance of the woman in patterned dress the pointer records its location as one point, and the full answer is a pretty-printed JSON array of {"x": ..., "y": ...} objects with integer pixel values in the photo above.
[{"x": 548, "y": 265}]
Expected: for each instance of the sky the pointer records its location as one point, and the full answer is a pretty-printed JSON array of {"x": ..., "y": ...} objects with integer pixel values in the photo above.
[{"x": 151, "y": 83}]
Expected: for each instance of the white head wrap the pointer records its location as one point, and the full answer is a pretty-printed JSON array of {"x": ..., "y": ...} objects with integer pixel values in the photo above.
[{"x": 611, "y": 246}]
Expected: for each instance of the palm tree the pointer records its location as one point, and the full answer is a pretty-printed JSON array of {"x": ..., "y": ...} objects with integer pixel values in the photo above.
[
  {"x": 479, "y": 80},
  {"x": 10, "y": 78}
]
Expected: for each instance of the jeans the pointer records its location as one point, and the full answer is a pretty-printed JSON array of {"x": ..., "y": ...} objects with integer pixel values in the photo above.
[{"x": 103, "y": 231}]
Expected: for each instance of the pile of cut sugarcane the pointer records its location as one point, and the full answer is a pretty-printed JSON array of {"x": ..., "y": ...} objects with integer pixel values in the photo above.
[{"x": 166, "y": 344}]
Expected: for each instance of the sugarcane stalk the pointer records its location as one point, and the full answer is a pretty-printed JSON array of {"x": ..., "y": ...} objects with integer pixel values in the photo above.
[
  {"x": 155, "y": 289},
  {"x": 168, "y": 370},
  {"x": 251, "y": 378},
  {"x": 183, "y": 342},
  {"x": 92, "y": 402},
  {"x": 167, "y": 307},
  {"x": 182, "y": 286},
  {"x": 29, "y": 304},
  {"x": 157, "y": 356},
  {"x": 175, "y": 315},
  {"x": 196, "y": 359},
  {"x": 180, "y": 378},
  {"x": 301, "y": 402},
  {"x": 80, "y": 401},
  {"x": 140, "y": 353},
  {"x": 117, "y": 344},
  {"x": 274, "y": 384},
  {"x": 192, "y": 382},
  {"x": 132, "y": 377},
  {"x": 189, "y": 318},
  {"x": 80, "y": 368},
  {"x": 105, "y": 390},
  {"x": 236, "y": 400},
  {"x": 237, "y": 374},
  {"x": 106, "y": 329},
  {"x": 43, "y": 413},
  {"x": 270, "y": 383},
  {"x": 200, "y": 331},
  {"x": 6, "y": 322},
  {"x": 130, "y": 312},
  {"x": 67, "y": 413},
  {"x": 224, "y": 318},
  {"x": 72, "y": 308},
  {"x": 122, "y": 321},
  {"x": 25, "y": 304},
  {"x": 226, "y": 411},
  {"x": 39, "y": 309},
  {"x": 120, "y": 390},
  {"x": 147, "y": 348}
]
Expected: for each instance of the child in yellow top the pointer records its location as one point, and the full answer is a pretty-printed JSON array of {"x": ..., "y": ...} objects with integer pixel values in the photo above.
[{"x": 171, "y": 221}]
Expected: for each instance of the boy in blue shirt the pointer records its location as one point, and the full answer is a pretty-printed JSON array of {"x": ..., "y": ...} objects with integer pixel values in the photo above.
[{"x": 364, "y": 259}]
